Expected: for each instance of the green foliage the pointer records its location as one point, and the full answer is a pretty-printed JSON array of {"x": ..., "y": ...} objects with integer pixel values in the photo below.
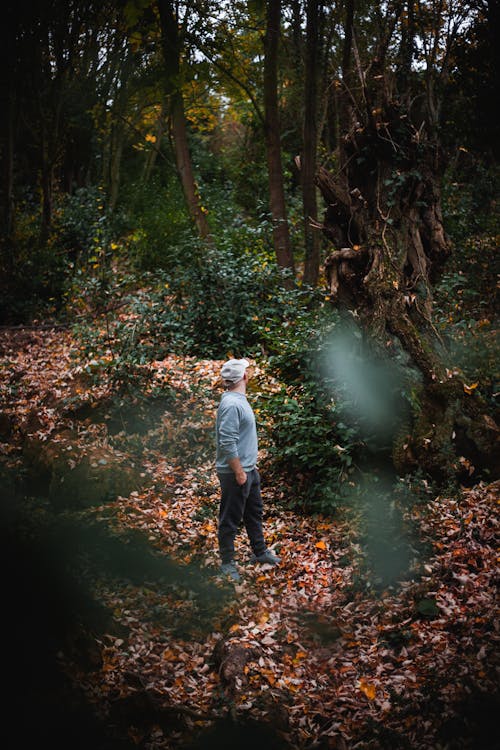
[
  {"x": 400, "y": 183},
  {"x": 304, "y": 447},
  {"x": 114, "y": 354},
  {"x": 32, "y": 270},
  {"x": 210, "y": 307},
  {"x": 114, "y": 346},
  {"x": 307, "y": 441},
  {"x": 470, "y": 198},
  {"x": 215, "y": 305},
  {"x": 161, "y": 235},
  {"x": 339, "y": 403},
  {"x": 81, "y": 222},
  {"x": 39, "y": 274},
  {"x": 466, "y": 309},
  {"x": 244, "y": 163}
]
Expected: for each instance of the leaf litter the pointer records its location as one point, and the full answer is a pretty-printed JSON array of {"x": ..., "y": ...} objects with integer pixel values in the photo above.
[{"x": 349, "y": 664}]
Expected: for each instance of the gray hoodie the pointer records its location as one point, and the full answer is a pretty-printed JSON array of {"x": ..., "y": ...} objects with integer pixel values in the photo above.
[{"x": 236, "y": 432}]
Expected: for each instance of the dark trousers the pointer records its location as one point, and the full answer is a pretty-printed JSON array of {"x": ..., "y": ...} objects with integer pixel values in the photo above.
[{"x": 240, "y": 503}]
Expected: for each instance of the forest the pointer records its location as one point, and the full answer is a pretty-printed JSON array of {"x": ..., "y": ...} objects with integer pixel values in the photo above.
[{"x": 313, "y": 186}]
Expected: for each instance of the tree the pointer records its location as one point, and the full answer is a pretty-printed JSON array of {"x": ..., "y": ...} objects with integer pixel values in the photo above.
[
  {"x": 383, "y": 215},
  {"x": 281, "y": 234},
  {"x": 44, "y": 45},
  {"x": 172, "y": 47},
  {"x": 58, "y": 58},
  {"x": 310, "y": 145},
  {"x": 473, "y": 89}
]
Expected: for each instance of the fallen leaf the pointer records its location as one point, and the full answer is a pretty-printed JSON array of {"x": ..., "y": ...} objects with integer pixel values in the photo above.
[
  {"x": 368, "y": 688},
  {"x": 470, "y": 388}
]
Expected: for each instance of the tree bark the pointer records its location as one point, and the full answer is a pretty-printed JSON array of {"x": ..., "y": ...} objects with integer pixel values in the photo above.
[
  {"x": 310, "y": 138},
  {"x": 46, "y": 180},
  {"x": 171, "y": 44},
  {"x": 281, "y": 235},
  {"x": 152, "y": 155},
  {"x": 116, "y": 151},
  {"x": 185, "y": 167},
  {"x": 8, "y": 168}
]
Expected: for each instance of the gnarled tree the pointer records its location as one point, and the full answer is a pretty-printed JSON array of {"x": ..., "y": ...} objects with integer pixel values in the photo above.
[{"x": 384, "y": 221}]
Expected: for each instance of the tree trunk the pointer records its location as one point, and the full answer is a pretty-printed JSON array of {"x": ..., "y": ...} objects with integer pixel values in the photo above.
[
  {"x": 171, "y": 44},
  {"x": 281, "y": 235},
  {"x": 310, "y": 137},
  {"x": 152, "y": 154},
  {"x": 46, "y": 179},
  {"x": 116, "y": 141},
  {"x": 185, "y": 167},
  {"x": 8, "y": 167}
]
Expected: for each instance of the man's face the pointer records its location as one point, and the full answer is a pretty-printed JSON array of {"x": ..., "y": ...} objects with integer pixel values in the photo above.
[{"x": 249, "y": 373}]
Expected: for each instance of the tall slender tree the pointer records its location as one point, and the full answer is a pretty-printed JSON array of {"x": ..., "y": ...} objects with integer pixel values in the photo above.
[
  {"x": 310, "y": 145},
  {"x": 172, "y": 52},
  {"x": 279, "y": 218}
]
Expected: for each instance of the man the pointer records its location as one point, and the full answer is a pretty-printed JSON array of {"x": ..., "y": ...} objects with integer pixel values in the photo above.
[{"x": 236, "y": 460}]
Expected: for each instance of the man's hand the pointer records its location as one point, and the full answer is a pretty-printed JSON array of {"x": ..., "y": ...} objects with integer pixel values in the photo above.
[
  {"x": 241, "y": 477},
  {"x": 239, "y": 472}
]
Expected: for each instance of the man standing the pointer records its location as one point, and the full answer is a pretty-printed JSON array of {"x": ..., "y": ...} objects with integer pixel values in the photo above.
[{"x": 236, "y": 460}]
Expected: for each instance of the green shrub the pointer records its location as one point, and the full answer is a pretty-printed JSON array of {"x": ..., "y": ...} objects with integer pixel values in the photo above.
[
  {"x": 33, "y": 279},
  {"x": 209, "y": 307},
  {"x": 308, "y": 443},
  {"x": 161, "y": 235},
  {"x": 32, "y": 271},
  {"x": 38, "y": 274},
  {"x": 338, "y": 407},
  {"x": 466, "y": 297},
  {"x": 218, "y": 304},
  {"x": 470, "y": 198},
  {"x": 82, "y": 222}
]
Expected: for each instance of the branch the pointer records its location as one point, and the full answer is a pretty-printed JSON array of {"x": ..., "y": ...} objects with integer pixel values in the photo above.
[
  {"x": 137, "y": 131},
  {"x": 228, "y": 73},
  {"x": 331, "y": 191}
]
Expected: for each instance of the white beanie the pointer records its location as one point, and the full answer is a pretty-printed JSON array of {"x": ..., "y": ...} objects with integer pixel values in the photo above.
[{"x": 234, "y": 369}]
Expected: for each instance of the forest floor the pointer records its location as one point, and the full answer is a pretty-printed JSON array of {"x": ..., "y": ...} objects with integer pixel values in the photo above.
[{"x": 113, "y": 502}]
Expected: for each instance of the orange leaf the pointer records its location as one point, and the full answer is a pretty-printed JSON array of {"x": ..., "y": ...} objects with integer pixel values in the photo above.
[
  {"x": 321, "y": 545},
  {"x": 368, "y": 688},
  {"x": 169, "y": 655},
  {"x": 470, "y": 388}
]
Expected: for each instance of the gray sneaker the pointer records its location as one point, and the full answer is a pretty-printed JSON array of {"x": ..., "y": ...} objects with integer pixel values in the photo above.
[
  {"x": 267, "y": 558},
  {"x": 230, "y": 569}
]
